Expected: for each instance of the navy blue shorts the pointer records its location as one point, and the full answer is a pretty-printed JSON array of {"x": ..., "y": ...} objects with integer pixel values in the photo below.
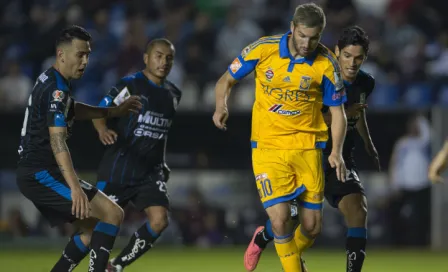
[
  {"x": 335, "y": 189},
  {"x": 50, "y": 193}
]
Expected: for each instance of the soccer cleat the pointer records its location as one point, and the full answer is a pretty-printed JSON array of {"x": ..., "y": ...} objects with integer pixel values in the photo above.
[
  {"x": 253, "y": 252},
  {"x": 113, "y": 268}
]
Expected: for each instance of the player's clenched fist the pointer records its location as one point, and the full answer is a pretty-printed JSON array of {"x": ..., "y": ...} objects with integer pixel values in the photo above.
[
  {"x": 220, "y": 118},
  {"x": 336, "y": 161}
]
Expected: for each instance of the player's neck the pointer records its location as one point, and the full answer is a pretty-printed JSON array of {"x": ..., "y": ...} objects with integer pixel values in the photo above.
[
  {"x": 58, "y": 67},
  {"x": 156, "y": 80},
  {"x": 349, "y": 79}
]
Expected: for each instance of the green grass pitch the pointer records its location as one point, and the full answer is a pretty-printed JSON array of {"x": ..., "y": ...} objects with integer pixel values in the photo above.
[{"x": 162, "y": 259}]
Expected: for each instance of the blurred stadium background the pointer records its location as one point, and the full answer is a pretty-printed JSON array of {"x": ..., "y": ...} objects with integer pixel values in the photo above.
[{"x": 214, "y": 200}]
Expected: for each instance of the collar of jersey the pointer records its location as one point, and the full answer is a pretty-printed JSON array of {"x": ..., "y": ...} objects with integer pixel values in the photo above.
[
  {"x": 140, "y": 74},
  {"x": 284, "y": 52}
]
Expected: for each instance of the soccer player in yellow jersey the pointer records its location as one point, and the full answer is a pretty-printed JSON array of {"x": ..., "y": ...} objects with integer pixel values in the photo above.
[{"x": 294, "y": 77}]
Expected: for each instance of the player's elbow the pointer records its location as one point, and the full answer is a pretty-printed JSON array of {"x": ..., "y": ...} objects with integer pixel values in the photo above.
[{"x": 226, "y": 81}]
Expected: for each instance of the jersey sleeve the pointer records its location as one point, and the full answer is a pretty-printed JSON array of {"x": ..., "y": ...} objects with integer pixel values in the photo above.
[
  {"x": 332, "y": 84},
  {"x": 116, "y": 95},
  {"x": 59, "y": 103},
  {"x": 370, "y": 86},
  {"x": 246, "y": 62}
]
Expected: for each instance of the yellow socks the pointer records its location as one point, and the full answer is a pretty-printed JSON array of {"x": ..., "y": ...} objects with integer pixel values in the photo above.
[
  {"x": 302, "y": 241},
  {"x": 289, "y": 255}
]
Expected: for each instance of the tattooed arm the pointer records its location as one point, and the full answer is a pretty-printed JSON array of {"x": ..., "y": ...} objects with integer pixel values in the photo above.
[
  {"x": 58, "y": 136},
  {"x": 80, "y": 202}
]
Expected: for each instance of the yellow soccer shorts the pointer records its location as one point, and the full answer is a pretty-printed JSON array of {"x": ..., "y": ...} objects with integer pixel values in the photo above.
[{"x": 284, "y": 175}]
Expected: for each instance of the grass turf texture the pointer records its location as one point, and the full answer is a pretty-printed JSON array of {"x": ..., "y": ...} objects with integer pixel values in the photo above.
[{"x": 231, "y": 259}]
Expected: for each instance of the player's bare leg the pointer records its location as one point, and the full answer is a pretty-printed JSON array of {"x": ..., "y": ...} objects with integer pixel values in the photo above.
[
  {"x": 354, "y": 209},
  {"x": 98, "y": 231},
  {"x": 142, "y": 239},
  {"x": 283, "y": 229}
]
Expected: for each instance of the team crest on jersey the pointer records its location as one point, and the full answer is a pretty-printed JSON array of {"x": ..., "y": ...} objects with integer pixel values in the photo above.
[
  {"x": 58, "y": 95},
  {"x": 305, "y": 83},
  {"x": 269, "y": 74},
  {"x": 235, "y": 66}
]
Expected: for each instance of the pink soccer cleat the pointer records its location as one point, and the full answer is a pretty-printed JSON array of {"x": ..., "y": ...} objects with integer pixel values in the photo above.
[{"x": 253, "y": 252}]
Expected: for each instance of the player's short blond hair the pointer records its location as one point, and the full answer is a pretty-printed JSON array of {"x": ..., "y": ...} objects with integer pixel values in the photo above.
[{"x": 309, "y": 15}]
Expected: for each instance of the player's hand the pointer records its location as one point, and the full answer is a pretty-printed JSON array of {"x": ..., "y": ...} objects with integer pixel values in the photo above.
[
  {"x": 107, "y": 136},
  {"x": 80, "y": 204},
  {"x": 355, "y": 110},
  {"x": 132, "y": 104},
  {"x": 371, "y": 151},
  {"x": 336, "y": 161},
  {"x": 435, "y": 170},
  {"x": 220, "y": 118}
]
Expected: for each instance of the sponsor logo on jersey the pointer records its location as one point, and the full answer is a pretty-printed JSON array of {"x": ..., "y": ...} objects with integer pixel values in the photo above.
[
  {"x": 58, "y": 95},
  {"x": 277, "y": 109},
  {"x": 235, "y": 66},
  {"x": 122, "y": 96},
  {"x": 43, "y": 77},
  {"x": 338, "y": 95},
  {"x": 153, "y": 125},
  {"x": 287, "y": 95},
  {"x": 269, "y": 74}
]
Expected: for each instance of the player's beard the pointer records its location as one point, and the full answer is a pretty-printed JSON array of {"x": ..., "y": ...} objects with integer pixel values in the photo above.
[{"x": 296, "y": 47}]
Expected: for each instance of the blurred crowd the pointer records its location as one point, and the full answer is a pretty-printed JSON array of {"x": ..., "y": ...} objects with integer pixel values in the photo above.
[{"x": 408, "y": 57}]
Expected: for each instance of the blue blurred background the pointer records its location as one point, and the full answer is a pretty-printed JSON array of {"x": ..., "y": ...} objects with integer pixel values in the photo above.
[{"x": 212, "y": 188}]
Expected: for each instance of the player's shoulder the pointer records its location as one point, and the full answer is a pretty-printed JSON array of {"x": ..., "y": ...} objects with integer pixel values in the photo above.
[
  {"x": 131, "y": 77},
  {"x": 325, "y": 57},
  {"x": 366, "y": 78},
  {"x": 263, "y": 43},
  {"x": 172, "y": 88},
  {"x": 46, "y": 80}
]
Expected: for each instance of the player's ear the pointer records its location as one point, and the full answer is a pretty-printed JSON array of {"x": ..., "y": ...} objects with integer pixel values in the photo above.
[
  {"x": 292, "y": 27},
  {"x": 145, "y": 58},
  {"x": 60, "y": 54},
  {"x": 337, "y": 52}
]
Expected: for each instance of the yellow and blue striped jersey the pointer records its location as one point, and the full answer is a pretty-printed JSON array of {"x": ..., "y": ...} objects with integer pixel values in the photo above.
[{"x": 289, "y": 93}]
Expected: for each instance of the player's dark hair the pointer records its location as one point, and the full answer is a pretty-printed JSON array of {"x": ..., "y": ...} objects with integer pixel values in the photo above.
[
  {"x": 70, "y": 33},
  {"x": 309, "y": 15},
  {"x": 354, "y": 35},
  {"x": 152, "y": 43}
]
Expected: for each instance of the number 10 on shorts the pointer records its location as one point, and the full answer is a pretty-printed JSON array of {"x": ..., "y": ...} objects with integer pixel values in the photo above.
[{"x": 264, "y": 188}]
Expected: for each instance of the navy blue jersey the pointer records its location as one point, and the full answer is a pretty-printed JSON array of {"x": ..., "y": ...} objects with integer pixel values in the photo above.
[
  {"x": 140, "y": 147},
  {"x": 49, "y": 105},
  {"x": 361, "y": 88}
]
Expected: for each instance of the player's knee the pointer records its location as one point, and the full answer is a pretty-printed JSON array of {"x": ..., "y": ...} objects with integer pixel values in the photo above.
[
  {"x": 158, "y": 221},
  {"x": 115, "y": 215},
  {"x": 356, "y": 215},
  {"x": 312, "y": 226},
  {"x": 86, "y": 237},
  {"x": 280, "y": 223}
]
